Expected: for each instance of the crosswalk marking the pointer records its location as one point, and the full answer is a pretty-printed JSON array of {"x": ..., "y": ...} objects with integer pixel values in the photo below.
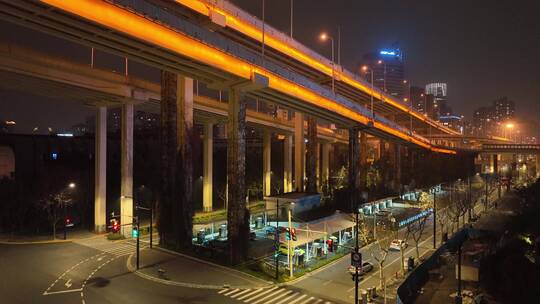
[
  {"x": 118, "y": 248},
  {"x": 298, "y": 299},
  {"x": 250, "y": 294},
  {"x": 308, "y": 300},
  {"x": 274, "y": 295},
  {"x": 280, "y": 296},
  {"x": 288, "y": 298},
  {"x": 269, "y": 296},
  {"x": 261, "y": 294},
  {"x": 240, "y": 293},
  {"x": 231, "y": 292}
]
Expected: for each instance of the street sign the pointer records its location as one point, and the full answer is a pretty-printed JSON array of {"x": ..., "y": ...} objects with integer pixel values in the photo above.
[{"x": 356, "y": 259}]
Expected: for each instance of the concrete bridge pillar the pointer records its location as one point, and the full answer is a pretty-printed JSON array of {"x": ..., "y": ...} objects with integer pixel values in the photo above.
[
  {"x": 126, "y": 163},
  {"x": 354, "y": 156},
  {"x": 495, "y": 163},
  {"x": 311, "y": 158},
  {"x": 318, "y": 166},
  {"x": 363, "y": 159},
  {"x": 267, "y": 163},
  {"x": 175, "y": 211},
  {"x": 299, "y": 151},
  {"x": 397, "y": 170},
  {"x": 100, "y": 196},
  {"x": 287, "y": 164},
  {"x": 537, "y": 165},
  {"x": 325, "y": 163},
  {"x": 208, "y": 151},
  {"x": 237, "y": 227}
]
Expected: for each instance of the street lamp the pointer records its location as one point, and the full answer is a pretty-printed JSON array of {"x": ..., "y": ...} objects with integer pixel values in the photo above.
[
  {"x": 66, "y": 223},
  {"x": 409, "y": 98},
  {"x": 384, "y": 73},
  {"x": 325, "y": 37},
  {"x": 365, "y": 69}
]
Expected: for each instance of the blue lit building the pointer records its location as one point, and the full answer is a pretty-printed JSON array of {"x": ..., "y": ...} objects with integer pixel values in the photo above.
[{"x": 388, "y": 71}]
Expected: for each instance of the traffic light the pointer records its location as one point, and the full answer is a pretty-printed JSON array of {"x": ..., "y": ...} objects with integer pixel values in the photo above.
[
  {"x": 293, "y": 234},
  {"x": 68, "y": 222},
  {"x": 135, "y": 232},
  {"x": 287, "y": 234}
]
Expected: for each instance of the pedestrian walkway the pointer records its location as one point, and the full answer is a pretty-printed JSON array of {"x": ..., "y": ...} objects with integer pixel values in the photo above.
[
  {"x": 117, "y": 248},
  {"x": 273, "y": 295}
]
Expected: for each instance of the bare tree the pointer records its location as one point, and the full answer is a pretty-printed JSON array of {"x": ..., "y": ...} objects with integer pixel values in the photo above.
[
  {"x": 379, "y": 248},
  {"x": 53, "y": 204}
]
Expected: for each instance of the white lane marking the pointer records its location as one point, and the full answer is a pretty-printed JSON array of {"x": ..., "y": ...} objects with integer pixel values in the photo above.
[
  {"x": 289, "y": 297},
  {"x": 61, "y": 291},
  {"x": 278, "y": 297},
  {"x": 261, "y": 294},
  {"x": 231, "y": 292},
  {"x": 250, "y": 294},
  {"x": 308, "y": 300},
  {"x": 298, "y": 299},
  {"x": 68, "y": 283},
  {"x": 240, "y": 293},
  {"x": 224, "y": 290},
  {"x": 273, "y": 294}
]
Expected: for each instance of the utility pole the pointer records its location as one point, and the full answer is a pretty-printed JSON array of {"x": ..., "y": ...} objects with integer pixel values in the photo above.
[
  {"x": 356, "y": 249},
  {"x": 289, "y": 245},
  {"x": 277, "y": 243},
  {"x": 469, "y": 197},
  {"x": 486, "y": 199},
  {"x": 136, "y": 219},
  {"x": 434, "y": 220},
  {"x": 458, "y": 296},
  {"x": 137, "y": 208}
]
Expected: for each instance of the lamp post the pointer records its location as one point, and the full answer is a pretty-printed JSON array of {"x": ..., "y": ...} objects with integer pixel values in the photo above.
[
  {"x": 409, "y": 99},
  {"x": 384, "y": 73},
  {"x": 365, "y": 69},
  {"x": 292, "y": 6},
  {"x": 70, "y": 187},
  {"x": 324, "y": 37}
]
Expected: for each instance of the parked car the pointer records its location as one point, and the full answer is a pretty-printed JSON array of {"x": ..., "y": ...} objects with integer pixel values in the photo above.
[
  {"x": 397, "y": 244},
  {"x": 366, "y": 267}
]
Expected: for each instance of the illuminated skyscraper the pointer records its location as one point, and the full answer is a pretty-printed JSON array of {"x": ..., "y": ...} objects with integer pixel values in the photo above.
[{"x": 388, "y": 71}]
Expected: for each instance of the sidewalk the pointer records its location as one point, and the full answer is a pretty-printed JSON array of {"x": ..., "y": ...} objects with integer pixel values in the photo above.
[
  {"x": 14, "y": 239},
  {"x": 177, "y": 269}
]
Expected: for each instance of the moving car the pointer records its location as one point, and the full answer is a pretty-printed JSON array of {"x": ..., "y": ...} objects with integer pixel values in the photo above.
[
  {"x": 397, "y": 244},
  {"x": 366, "y": 267}
]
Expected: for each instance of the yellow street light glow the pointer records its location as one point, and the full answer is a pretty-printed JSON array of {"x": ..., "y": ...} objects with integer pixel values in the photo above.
[
  {"x": 255, "y": 33},
  {"x": 364, "y": 68},
  {"x": 71, "y": 185},
  {"x": 509, "y": 125},
  {"x": 324, "y": 36},
  {"x": 127, "y": 22},
  {"x": 379, "y": 62}
]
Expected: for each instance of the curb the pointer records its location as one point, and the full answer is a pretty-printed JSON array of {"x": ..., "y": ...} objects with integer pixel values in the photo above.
[{"x": 34, "y": 242}]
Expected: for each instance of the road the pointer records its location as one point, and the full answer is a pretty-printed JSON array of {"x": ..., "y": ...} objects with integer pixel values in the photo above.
[
  {"x": 97, "y": 273},
  {"x": 94, "y": 271},
  {"x": 335, "y": 282}
]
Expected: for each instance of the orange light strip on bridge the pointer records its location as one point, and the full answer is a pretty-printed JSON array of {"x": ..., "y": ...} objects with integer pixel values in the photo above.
[
  {"x": 255, "y": 33},
  {"x": 134, "y": 25}
]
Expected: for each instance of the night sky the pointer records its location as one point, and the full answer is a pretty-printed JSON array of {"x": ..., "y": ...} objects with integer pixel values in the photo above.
[{"x": 482, "y": 49}]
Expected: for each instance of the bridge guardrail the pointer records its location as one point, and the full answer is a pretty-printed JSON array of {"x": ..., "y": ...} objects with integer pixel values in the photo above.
[{"x": 214, "y": 40}]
